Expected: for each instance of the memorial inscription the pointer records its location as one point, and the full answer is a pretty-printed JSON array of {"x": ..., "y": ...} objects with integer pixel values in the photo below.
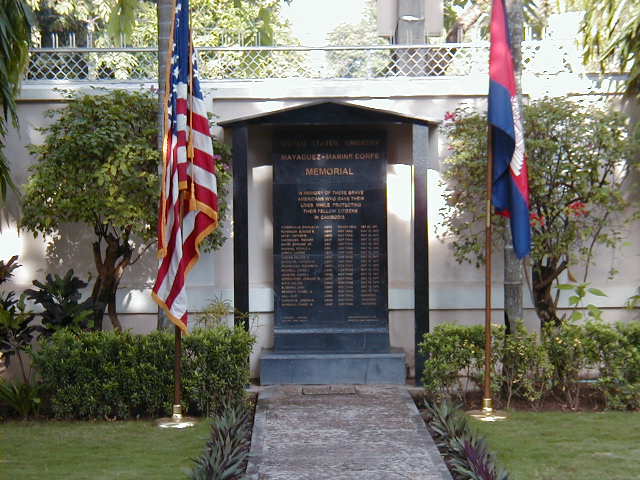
[{"x": 330, "y": 240}]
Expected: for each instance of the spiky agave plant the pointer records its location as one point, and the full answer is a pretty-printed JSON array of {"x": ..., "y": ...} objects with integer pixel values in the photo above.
[
  {"x": 464, "y": 450},
  {"x": 227, "y": 449}
]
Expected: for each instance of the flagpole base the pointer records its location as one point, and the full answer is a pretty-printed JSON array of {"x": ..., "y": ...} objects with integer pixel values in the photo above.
[
  {"x": 487, "y": 414},
  {"x": 176, "y": 420}
]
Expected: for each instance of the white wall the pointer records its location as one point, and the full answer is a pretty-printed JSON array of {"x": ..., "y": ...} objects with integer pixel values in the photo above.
[{"x": 456, "y": 291}]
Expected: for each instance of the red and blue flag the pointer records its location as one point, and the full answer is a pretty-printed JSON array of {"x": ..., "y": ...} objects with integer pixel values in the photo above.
[{"x": 510, "y": 179}]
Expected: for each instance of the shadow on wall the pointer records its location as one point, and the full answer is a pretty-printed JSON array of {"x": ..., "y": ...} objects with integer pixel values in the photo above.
[{"x": 72, "y": 247}]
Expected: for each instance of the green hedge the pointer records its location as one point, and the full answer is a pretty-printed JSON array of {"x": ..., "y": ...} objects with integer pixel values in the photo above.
[
  {"x": 525, "y": 367},
  {"x": 121, "y": 375}
]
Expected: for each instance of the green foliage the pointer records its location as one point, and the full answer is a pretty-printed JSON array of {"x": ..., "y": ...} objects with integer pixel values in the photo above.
[
  {"x": 23, "y": 399},
  {"x": 216, "y": 367},
  {"x": 529, "y": 369},
  {"x": 617, "y": 359},
  {"x": 578, "y": 162},
  {"x": 213, "y": 20},
  {"x": 227, "y": 449},
  {"x": 16, "y": 19},
  {"x": 59, "y": 297},
  {"x": 633, "y": 302},
  {"x": 215, "y": 313},
  {"x": 16, "y": 329},
  {"x": 355, "y": 63},
  {"x": 612, "y": 35},
  {"x": 98, "y": 166},
  {"x": 111, "y": 375},
  {"x": 610, "y": 352},
  {"x": 465, "y": 451},
  {"x": 454, "y": 356},
  {"x": 526, "y": 371},
  {"x": 122, "y": 18},
  {"x": 565, "y": 345},
  {"x": 6, "y": 269},
  {"x": 576, "y": 300},
  {"x": 103, "y": 19},
  {"x": 455, "y": 362},
  {"x": 631, "y": 331}
]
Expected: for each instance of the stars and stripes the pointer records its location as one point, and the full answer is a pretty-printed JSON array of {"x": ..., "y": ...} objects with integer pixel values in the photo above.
[
  {"x": 189, "y": 202},
  {"x": 510, "y": 177}
]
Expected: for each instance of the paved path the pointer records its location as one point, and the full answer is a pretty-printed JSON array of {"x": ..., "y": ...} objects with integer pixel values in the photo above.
[{"x": 341, "y": 433}]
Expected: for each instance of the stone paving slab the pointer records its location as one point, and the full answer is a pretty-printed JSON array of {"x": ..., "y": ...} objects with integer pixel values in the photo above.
[{"x": 341, "y": 433}]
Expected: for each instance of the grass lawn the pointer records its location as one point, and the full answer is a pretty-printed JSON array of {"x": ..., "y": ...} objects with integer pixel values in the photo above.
[
  {"x": 97, "y": 450},
  {"x": 567, "y": 446}
]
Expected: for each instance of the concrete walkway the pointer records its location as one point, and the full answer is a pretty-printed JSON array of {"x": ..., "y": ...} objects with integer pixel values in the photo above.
[{"x": 341, "y": 433}]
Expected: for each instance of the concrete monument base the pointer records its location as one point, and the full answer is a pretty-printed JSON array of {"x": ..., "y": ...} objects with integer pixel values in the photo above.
[{"x": 332, "y": 368}]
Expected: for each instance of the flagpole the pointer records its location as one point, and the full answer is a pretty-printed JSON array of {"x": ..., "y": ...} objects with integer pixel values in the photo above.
[
  {"x": 177, "y": 392},
  {"x": 487, "y": 399},
  {"x": 176, "y": 420}
]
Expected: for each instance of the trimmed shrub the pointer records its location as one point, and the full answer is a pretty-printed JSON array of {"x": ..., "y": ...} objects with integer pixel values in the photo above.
[
  {"x": 568, "y": 353},
  {"x": 526, "y": 371},
  {"x": 453, "y": 359},
  {"x": 216, "y": 368},
  {"x": 618, "y": 361},
  {"x": 121, "y": 375}
]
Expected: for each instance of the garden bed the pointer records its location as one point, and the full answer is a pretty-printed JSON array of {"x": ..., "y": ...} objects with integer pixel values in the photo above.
[{"x": 549, "y": 443}]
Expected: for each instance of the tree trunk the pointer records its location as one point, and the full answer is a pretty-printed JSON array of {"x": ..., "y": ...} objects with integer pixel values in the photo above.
[
  {"x": 98, "y": 307},
  {"x": 542, "y": 281},
  {"x": 117, "y": 257},
  {"x": 165, "y": 11},
  {"x": 512, "y": 265}
]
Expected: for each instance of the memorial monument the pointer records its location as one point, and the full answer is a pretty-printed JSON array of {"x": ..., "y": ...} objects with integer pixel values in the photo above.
[
  {"x": 328, "y": 163},
  {"x": 330, "y": 259}
]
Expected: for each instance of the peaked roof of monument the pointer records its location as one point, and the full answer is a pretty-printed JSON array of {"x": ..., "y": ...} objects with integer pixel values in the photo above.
[{"x": 327, "y": 113}]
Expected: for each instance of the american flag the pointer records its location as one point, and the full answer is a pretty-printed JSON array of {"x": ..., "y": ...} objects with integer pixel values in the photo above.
[{"x": 189, "y": 201}]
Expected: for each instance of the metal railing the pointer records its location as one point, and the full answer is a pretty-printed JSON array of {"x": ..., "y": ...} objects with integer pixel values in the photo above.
[{"x": 333, "y": 62}]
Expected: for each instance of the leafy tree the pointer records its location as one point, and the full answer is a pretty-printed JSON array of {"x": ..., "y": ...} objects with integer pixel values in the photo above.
[
  {"x": 578, "y": 163},
  {"x": 99, "y": 166},
  {"x": 136, "y": 20},
  {"x": 16, "y": 19},
  {"x": 102, "y": 18},
  {"x": 356, "y": 63},
  {"x": 612, "y": 35},
  {"x": 213, "y": 20},
  {"x": 463, "y": 16}
]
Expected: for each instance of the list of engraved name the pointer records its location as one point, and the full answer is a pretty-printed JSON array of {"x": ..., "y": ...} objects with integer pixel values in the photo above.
[{"x": 335, "y": 259}]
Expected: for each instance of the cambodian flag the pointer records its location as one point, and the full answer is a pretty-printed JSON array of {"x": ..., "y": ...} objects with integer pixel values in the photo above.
[{"x": 510, "y": 180}]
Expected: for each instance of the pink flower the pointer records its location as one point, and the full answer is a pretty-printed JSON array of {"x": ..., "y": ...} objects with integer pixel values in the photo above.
[
  {"x": 450, "y": 116},
  {"x": 578, "y": 208},
  {"x": 537, "y": 220}
]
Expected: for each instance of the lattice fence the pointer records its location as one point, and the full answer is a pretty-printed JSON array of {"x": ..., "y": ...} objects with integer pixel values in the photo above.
[{"x": 380, "y": 61}]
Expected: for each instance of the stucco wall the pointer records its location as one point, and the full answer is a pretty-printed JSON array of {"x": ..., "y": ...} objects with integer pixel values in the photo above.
[{"x": 456, "y": 292}]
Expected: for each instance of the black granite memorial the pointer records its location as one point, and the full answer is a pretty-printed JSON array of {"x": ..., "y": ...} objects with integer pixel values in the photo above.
[
  {"x": 330, "y": 256},
  {"x": 299, "y": 355}
]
